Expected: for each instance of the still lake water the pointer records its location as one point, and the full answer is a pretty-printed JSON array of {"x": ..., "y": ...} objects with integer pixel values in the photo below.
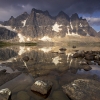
[{"x": 44, "y": 63}]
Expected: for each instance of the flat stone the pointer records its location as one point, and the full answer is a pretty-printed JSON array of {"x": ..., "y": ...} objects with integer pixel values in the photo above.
[
  {"x": 43, "y": 87},
  {"x": 83, "y": 89}
]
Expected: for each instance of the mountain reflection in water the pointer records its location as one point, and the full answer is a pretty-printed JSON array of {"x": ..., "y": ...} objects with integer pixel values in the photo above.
[
  {"x": 42, "y": 60},
  {"x": 38, "y": 63}
]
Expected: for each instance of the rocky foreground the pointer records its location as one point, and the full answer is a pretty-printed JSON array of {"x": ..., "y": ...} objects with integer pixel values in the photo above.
[
  {"x": 70, "y": 87},
  {"x": 58, "y": 86}
]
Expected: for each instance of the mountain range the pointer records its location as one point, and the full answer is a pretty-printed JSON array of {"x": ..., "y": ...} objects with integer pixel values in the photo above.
[{"x": 40, "y": 25}]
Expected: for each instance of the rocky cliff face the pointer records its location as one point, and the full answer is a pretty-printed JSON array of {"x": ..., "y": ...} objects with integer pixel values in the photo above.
[
  {"x": 39, "y": 24},
  {"x": 6, "y": 34},
  {"x": 16, "y": 22}
]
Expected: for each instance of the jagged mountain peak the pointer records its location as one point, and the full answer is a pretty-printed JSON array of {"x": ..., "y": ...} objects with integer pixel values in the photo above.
[
  {"x": 37, "y": 10},
  {"x": 11, "y": 17},
  {"x": 40, "y": 23},
  {"x": 74, "y": 16},
  {"x": 61, "y": 13},
  {"x": 25, "y": 13},
  {"x": 40, "y": 11}
]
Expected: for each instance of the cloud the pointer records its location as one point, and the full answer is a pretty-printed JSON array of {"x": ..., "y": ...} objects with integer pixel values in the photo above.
[
  {"x": 15, "y": 7},
  {"x": 93, "y": 21}
]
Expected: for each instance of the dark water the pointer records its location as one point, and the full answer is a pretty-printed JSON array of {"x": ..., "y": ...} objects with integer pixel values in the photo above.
[{"x": 44, "y": 63}]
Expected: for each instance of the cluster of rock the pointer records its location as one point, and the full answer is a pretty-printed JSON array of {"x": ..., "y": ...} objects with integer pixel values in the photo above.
[
  {"x": 77, "y": 89},
  {"x": 91, "y": 57}
]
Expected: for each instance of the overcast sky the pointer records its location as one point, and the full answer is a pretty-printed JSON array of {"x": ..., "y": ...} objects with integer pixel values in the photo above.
[{"x": 89, "y": 9}]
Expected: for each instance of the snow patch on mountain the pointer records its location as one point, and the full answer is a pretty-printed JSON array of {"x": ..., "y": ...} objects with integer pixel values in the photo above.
[
  {"x": 56, "y": 27},
  {"x": 24, "y": 22},
  {"x": 28, "y": 39},
  {"x": 14, "y": 29},
  {"x": 71, "y": 33},
  {"x": 7, "y": 27},
  {"x": 45, "y": 38},
  {"x": 21, "y": 37},
  {"x": 80, "y": 25},
  {"x": 87, "y": 34},
  {"x": 71, "y": 25}
]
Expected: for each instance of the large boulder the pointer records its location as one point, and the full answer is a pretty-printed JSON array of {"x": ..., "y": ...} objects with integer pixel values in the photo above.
[
  {"x": 5, "y": 94},
  {"x": 42, "y": 87},
  {"x": 83, "y": 89}
]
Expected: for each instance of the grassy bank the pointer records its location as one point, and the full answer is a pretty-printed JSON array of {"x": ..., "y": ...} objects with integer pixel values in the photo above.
[
  {"x": 75, "y": 43},
  {"x": 2, "y": 44}
]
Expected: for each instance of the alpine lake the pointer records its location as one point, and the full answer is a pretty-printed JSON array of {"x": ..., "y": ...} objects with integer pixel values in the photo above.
[{"x": 26, "y": 64}]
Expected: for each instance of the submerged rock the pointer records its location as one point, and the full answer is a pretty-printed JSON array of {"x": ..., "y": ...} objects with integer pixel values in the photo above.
[
  {"x": 43, "y": 87},
  {"x": 26, "y": 58},
  {"x": 59, "y": 95},
  {"x": 62, "y": 49},
  {"x": 86, "y": 67},
  {"x": 5, "y": 94},
  {"x": 89, "y": 57},
  {"x": 79, "y": 54},
  {"x": 76, "y": 55},
  {"x": 3, "y": 71},
  {"x": 22, "y": 95},
  {"x": 98, "y": 62},
  {"x": 91, "y": 63},
  {"x": 73, "y": 46},
  {"x": 5, "y": 77},
  {"x": 83, "y": 89}
]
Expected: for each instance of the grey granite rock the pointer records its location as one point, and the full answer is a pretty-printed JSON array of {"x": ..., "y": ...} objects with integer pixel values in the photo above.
[{"x": 83, "y": 89}]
